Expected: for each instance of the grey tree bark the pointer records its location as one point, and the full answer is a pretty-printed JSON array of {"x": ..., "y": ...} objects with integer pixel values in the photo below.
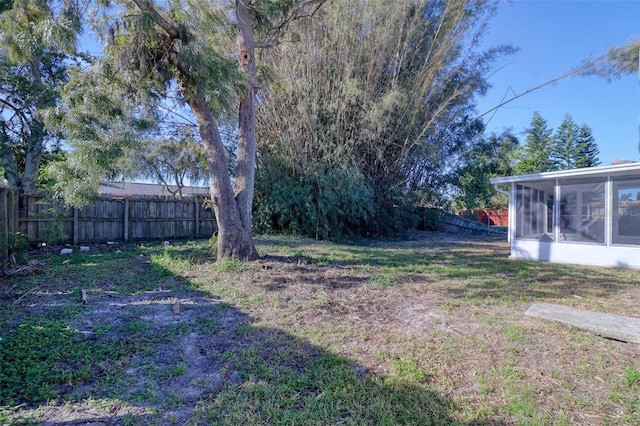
[
  {"x": 246, "y": 165},
  {"x": 33, "y": 157},
  {"x": 33, "y": 145},
  {"x": 233, "y": 212},
  {"x": 9, "y": 165},
  {"x": 234, "y": 239}
]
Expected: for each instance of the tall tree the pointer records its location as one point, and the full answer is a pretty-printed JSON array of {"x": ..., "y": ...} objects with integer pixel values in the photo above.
[
  {"x": 538, "y": 150},
  {"x": 587, "y": 150},
  {"x": 616, "y": 62},
  {"x": 491, "y": 157},
  {"x": 36, "y": 38},
  {"x": 382, "y": 88},
  {"x": 175, "y": 163},
  {"x": 159, "y": 51},
  {"x": 566, "y": 138}
]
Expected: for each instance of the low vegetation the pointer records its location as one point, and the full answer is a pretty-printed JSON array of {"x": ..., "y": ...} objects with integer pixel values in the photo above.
[{"x": 429, "y": 330}]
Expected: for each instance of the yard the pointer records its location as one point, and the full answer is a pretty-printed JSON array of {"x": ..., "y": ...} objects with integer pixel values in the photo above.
[{"x": 429, "y": 330}]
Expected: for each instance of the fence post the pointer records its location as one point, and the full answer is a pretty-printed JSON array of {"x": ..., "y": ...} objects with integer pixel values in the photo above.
[
  {"x": 76, "y": 227},
  {"x": 126, "y": 220},
  {"x": 12, "y": 209},
  {"x": 4, "y": 224},
  {"x": 196, "y": 206}
]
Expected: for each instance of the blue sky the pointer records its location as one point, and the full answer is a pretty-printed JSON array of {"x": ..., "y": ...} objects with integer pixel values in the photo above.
[{"x": 553, "y": 37}]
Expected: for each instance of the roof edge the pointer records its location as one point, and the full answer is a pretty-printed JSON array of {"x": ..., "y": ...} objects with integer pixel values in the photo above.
[{"x": 587, "y": 171}]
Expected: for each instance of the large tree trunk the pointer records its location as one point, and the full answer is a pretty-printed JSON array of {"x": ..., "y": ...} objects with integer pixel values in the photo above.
[
  {"x": 33, "y": 156},
  {"x": 233, "y": 212},
  {"x": 245, "y": 169},
  {"x": 8, "y": 163},
  {"x": 234, "y": 239},
  {"x": 233, "y": 208},
  {"x": 35, "y": 145}
]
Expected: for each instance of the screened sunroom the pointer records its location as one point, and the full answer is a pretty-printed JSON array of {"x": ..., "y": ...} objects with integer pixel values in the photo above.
[{"x": 585, "y": 216}]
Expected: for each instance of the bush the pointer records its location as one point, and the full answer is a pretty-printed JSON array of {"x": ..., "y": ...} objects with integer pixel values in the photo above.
[
  {"x": 319, "y": 201},
  {"x": 18, "y": 247},
  {"x": 429, "y": 218}
]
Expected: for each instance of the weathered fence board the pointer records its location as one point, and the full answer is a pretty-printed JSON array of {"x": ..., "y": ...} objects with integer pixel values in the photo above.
[
  {"x": 8, "y": 218},
  {"x": 114, "y": 219},
  {"x": 4, "y": 225},
  {"x": 456, "y": 224}
]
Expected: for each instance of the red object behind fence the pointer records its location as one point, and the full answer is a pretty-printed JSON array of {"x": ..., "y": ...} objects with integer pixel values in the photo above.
[{"x": 488, "y": 217}]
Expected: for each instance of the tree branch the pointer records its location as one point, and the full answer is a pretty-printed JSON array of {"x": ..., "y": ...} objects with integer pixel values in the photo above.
[
  {"x": 171, "y": 111},
  {"x": 293, "y": 16},
  {"x": 170, "y": 28},
  {"x": 574, "y": 71},
  {"x": 16, "y": 109}
]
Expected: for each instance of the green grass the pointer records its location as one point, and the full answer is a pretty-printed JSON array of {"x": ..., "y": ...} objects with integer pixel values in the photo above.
[
  {"x": 41, "y": 354},
  {"x": 383, "y": 280},
  {"x": 229, "y": 265},
  {"x": 310, "y": 335},
  {"x": 631, "y": 378},
  {"x": 323, "y": 390},
  {"x": 517, "y": 334}
]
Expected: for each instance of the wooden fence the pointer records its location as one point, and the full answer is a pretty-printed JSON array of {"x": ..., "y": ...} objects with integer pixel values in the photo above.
[
  {"x": 41, "y": 219},
  {"x": 488, "y": 217},
  {"x": 8, "y": 218}
]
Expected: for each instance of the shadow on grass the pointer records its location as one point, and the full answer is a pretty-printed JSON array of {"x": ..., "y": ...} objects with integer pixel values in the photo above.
[
  {"x": 478, "y": 269},
  {"x": 133, "y": 358}
]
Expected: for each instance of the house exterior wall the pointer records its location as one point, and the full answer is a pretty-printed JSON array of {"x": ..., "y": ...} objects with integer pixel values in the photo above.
[{"x": 582, "y": 254}]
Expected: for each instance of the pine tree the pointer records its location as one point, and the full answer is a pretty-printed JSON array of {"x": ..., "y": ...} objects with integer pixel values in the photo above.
[
  {"x": 537, "y": 153},
  {"x": 587, "y": 150},
  {"x": 565, "y": 149}
]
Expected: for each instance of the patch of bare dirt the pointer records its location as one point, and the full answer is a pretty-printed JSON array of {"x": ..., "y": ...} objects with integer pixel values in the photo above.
[{"x": 178, "y": 370}]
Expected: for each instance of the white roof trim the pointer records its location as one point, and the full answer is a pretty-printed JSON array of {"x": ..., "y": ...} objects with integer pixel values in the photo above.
[{"x": 618, "y": 169}]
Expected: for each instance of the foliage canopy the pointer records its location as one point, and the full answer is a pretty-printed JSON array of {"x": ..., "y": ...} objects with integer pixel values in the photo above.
[{"x": 379, "y": 93}]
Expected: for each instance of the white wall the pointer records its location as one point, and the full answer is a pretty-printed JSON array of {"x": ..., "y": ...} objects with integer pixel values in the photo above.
[{"x": 581, "y": 254}]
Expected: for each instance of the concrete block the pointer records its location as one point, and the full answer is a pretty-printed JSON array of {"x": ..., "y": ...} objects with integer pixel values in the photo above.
[{"x": 612, "y": 326}]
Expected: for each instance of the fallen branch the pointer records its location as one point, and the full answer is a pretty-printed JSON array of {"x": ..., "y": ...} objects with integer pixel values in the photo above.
[
  {"x": 28, "y": 292},
  {"x": 32, "y": 267}
]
